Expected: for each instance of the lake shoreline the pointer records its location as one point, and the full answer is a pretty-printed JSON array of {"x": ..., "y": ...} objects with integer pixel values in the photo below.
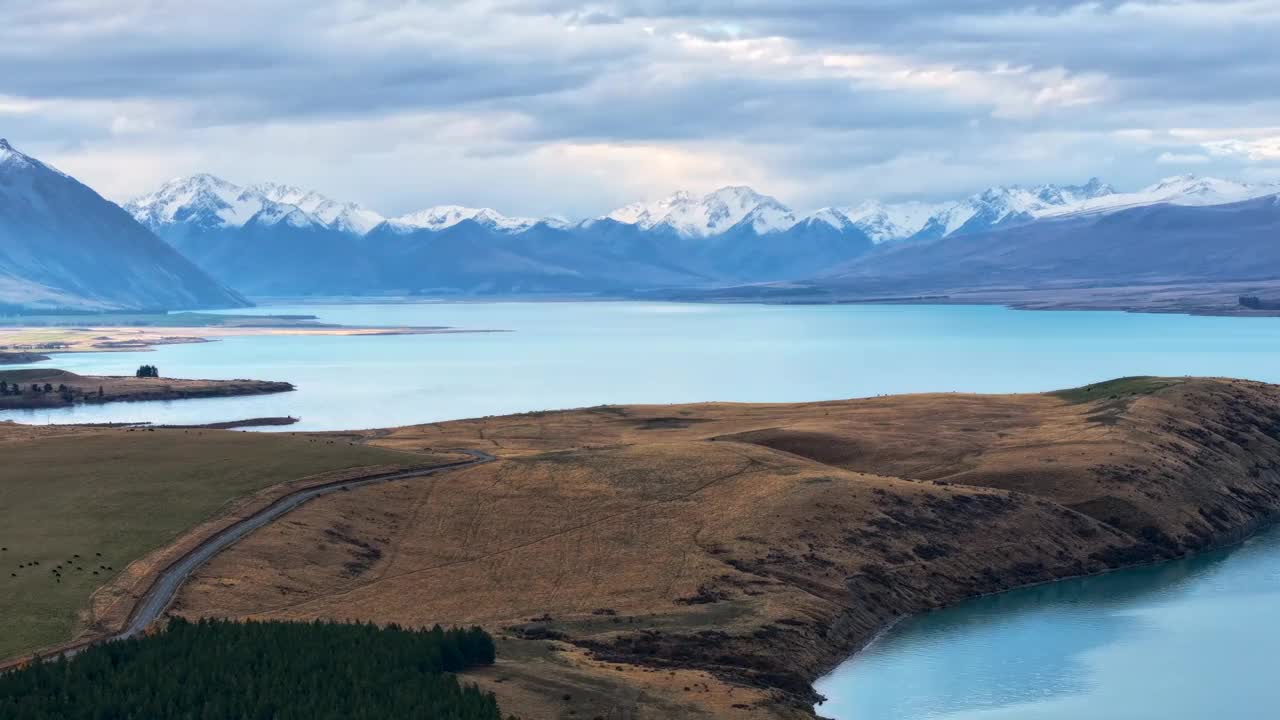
[
  {"x": 885, "y": 630},
  {"x": 1224, "y": 299}
]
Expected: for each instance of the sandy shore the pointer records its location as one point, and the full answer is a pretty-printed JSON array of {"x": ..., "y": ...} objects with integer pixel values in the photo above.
[{"x": 132, "y": 339}]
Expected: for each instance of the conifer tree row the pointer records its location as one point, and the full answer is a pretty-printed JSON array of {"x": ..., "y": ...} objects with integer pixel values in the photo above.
[{"x": 221, "y": 670}]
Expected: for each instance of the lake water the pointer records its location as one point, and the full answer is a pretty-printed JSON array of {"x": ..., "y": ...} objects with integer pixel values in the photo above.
[
  {"x": 561, "y": 355},
  {"x": 1188, "y": 640}
]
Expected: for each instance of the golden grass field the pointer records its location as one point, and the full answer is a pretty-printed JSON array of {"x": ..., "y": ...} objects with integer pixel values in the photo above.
[
  {"x": 712, "y": 560},
  {"x": 112, "y": 496}
]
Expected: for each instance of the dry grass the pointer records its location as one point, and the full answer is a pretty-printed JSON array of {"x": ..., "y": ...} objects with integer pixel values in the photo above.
[
  {"x": 111, "y": 496},
  {"x": 711, "y": 560}
]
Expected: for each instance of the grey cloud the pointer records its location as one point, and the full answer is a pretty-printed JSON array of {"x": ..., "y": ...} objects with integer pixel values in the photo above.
[{"x": 609, "y": 71}]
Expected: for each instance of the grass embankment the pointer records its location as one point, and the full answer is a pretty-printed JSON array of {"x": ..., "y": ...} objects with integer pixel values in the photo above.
[{"x": 88, "y": 501}]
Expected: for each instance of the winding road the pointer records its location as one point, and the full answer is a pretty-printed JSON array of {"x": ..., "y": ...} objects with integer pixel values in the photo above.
[{"x": 162, "y": 592}]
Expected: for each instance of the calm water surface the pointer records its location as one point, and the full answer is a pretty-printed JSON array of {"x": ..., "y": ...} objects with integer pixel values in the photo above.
[
  {"x": 1190, "y": 640},
  {"x": 561, "y": 355}
]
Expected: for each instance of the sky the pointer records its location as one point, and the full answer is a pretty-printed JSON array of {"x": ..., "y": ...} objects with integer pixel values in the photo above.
[{"x": 562, "y": 107}]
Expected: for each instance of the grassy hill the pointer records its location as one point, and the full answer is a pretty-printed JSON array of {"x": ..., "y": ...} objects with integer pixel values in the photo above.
[{"x": 714, "y": 559}]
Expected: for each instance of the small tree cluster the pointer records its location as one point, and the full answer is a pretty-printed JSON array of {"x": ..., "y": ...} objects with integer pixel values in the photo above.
[
  {"x": 148, "y": 371},
  {"x": 8, "y": 388}
]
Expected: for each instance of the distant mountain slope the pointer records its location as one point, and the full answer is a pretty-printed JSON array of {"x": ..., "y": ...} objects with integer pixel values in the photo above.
[
  {"x": 1237, "y": 241},
  {"x": 64, "y": 246}
]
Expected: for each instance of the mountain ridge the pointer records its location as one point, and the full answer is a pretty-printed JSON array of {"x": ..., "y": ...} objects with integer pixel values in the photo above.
[
  {"x": 63, "y": 246},
  {"x": 199, "y": 198}
]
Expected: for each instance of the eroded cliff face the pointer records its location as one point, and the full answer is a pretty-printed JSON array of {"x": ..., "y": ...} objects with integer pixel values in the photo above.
[{"x": 685, "y": 561}]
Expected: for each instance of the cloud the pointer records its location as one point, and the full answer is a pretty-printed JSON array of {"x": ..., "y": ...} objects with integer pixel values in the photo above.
[
  {"x": 1172, "y": 158},
  {"x": 1266, "y": 149},
  {"x": 566, "y": 106}
]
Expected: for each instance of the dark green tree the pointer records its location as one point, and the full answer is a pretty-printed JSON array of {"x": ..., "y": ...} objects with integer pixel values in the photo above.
[{"x": 275, "y": 671}]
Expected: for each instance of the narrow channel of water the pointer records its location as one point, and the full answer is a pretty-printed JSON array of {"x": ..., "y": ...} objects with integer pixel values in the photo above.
[{"x": 1194, "y": 639}]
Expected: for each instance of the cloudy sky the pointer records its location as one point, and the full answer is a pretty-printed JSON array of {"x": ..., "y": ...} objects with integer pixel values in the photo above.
[{"x": 557, "y": 106}]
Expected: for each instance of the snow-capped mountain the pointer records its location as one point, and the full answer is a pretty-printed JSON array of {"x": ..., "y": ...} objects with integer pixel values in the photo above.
[
  {"x": 895, "y": 221},
  {"x": 270, "y": 239},
  {"x": 695, "y": 216},
  {"x": 209, "y": 202},
  {"x": 441, "y": 217},
  {"x": 64, "y": 246},
  {"x": 347, "y": 217},
  {"x": 1187, "y": 190},
  {"x": 998, "y": 206}
]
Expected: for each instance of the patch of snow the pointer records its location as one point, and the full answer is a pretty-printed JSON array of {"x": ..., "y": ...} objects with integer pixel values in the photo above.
[
  {"x": 442, "y": 217},
  {"x": 699, "y": 217},
  {"x": 894, "y": 221},
  {"x": 11, "y": 159},
  {"x": 1177, "y": 190}
]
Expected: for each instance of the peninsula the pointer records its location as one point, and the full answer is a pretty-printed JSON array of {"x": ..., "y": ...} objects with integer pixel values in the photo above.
[
  {"x": 49, "y": 388},
  {"x": 705, "y": 560}
]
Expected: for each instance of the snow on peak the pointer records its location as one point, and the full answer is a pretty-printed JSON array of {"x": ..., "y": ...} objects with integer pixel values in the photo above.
[
  {"x": 830, "y": 216},
  {"x": 692, "y": 216},
  {"x": 12, "y": 159},
  {"x": 884, "y": 222},
  {"x": 8, "y": 154},
  {"x": 347, "y": 217},
  {"x": 442, "y": 217},
  {"x": 210, "y": 201},
  {"x": 1175, "y": 190},
  {"x": 279, "y": 213},
  {"x": 200, "y": 199}
]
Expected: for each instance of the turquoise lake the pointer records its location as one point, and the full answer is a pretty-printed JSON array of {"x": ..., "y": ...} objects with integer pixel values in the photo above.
[
  {"x": 1183, "y": 641},
  {"x": 1188, "y": 640},
  {"x": 560, "y": 355}
]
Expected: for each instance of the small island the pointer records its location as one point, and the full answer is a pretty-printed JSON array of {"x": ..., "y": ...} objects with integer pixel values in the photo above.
[
  {"x": 51, "y": 388},
  {"x": 21, "y": 358}
]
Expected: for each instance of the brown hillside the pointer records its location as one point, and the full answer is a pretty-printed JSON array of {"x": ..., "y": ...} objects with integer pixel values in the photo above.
[{"x": 712, "y": 560}]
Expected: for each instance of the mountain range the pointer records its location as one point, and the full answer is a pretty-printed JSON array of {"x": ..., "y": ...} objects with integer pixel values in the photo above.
[
  {"x": 207, "y": 202},
  {"x": 1120, "y": 244},
  {"x": 64, "y": 246},
  {"x": 270, "y": 239},
  {"x": 185, "y": 244}
]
